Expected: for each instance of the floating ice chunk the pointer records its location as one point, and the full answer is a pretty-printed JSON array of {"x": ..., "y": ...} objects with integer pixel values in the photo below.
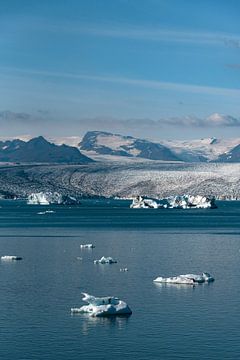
[
  {"x": 191, "y": 201},
  {"x": 190, "y": 279},
  {"x": 103, "y": 306},
  {"x": 105, "y": 260},
  {"x": 47, "y": 198},
  {"x": 87, "y": 246},
  {"x": 175, "y": 280},
  {"x": 10, "y": 258},
  {"x": 38, "y": 199},
  {"x": 46, "y": 212},
  {"x": 140, "y": 203}
]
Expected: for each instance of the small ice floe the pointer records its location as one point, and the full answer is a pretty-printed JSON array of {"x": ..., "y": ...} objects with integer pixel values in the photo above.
[
  {"x": 103, "y": 306},
  {"x": 105, "y": 260},
  {"x": 124, "y": 269},
  {"x": 87, "y": 246},
  {"x": 10, "y": 258},
  {"x": 189, "y": 279},
  {"x": 46, "y": 212}
]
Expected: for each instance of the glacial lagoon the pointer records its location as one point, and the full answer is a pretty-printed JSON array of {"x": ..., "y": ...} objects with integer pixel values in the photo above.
[{"x": 168, "y": 321}]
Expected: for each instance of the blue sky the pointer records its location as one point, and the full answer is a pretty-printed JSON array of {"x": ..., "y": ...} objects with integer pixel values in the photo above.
[{"x": 152, "y": 68}]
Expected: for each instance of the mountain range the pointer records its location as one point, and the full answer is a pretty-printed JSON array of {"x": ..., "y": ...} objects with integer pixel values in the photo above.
[
  {"x": 105, "y": 146},
  {"x": 98, "y": 144}
]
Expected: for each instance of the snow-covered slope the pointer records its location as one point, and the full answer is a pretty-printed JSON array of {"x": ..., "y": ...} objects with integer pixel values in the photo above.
[
  {"x": 207, "y": 149},
  {"x": 104, "y": 143}
]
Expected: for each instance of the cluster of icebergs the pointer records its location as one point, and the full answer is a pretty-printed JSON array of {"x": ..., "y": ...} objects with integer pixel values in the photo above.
[
  {"x": 47, "y": 198},
  {"x": 188, "y": 279},
  {"x": 103, "y": 306},
  {"x": 177, "y": 202},
  {"x": 191, "y": 201}
]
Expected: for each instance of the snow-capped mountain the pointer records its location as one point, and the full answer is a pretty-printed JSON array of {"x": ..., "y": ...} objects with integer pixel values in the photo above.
[
  {"x": 104, "y": 143},
  {"x": 40, "y": 150}
]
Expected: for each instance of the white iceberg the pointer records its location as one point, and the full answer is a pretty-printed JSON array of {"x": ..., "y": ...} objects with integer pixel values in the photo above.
[
  {"x": 174, "y": 280},
  {"x": 105, "y": 260},
  {"x": 103, "y": 306},
  {"x": 141, "y": 203},
  {"x": 10, "y": 257},
  {"x": 38, "y": 199},
  {"x": 46, "y": 212},
  {"x": 189, "y": 279},
  {"x": 47, "y": 198},
  {"x": 87, "y": 246},
  {"x": 191, "y": 201}
]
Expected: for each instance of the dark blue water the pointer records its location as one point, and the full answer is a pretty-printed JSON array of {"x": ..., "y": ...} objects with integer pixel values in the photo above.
[{"x": 168, "y": 322}]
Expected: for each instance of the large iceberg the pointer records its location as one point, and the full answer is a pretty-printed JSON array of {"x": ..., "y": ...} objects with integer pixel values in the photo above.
[
  {"x": 188, "y": 279},
  {"x": 105, "y": 260},
  {"x": 103, "y": 306},
  {"x": 47, "y": 198},
  {"x": 191, "y": 201},
  {"x": 141, "y": 203}
]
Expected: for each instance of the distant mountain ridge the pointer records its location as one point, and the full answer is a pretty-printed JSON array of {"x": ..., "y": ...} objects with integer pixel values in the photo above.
[
  {"x": 106, "y": 143},
  {"x": 106, "y": 146},
  {"x": 41, "y": 151}
]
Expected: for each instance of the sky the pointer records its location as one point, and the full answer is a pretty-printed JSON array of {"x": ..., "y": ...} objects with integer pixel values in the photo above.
[{"x": 156, "y": 69}]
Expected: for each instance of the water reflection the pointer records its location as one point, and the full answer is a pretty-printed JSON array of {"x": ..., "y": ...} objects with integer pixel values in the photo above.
[
  {"x": 112, "y": 322},
  {"x": 176, "y": 286}
]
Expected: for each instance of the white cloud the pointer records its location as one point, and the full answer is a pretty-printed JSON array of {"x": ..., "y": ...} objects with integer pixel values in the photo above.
[{"x": 214, "y": 120}]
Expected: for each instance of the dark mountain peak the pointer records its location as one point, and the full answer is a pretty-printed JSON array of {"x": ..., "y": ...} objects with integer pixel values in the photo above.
[
  {"x": 39, "y": 150},
  {"x": 38, "y": 140}
]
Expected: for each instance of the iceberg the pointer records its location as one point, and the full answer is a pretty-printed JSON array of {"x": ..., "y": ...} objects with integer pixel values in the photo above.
[
  {"x": 87, "y": 246},
  {"x": 47, "y": 198},
  {"x": 105, "y": 260},
  {"x": 141, "y": 203},
  {"x": 10, "y": 258},
  {"x": 174, "y": 280},
  {"x": 191, "y": 201},
  {"x": 189, "y": 279},
  {"x": 46, "y": 212},
  {"x": 102, "y": 306}
]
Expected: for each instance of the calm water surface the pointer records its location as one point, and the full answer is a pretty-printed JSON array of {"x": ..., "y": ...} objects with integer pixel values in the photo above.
[{"x": 168, "y": 322}]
